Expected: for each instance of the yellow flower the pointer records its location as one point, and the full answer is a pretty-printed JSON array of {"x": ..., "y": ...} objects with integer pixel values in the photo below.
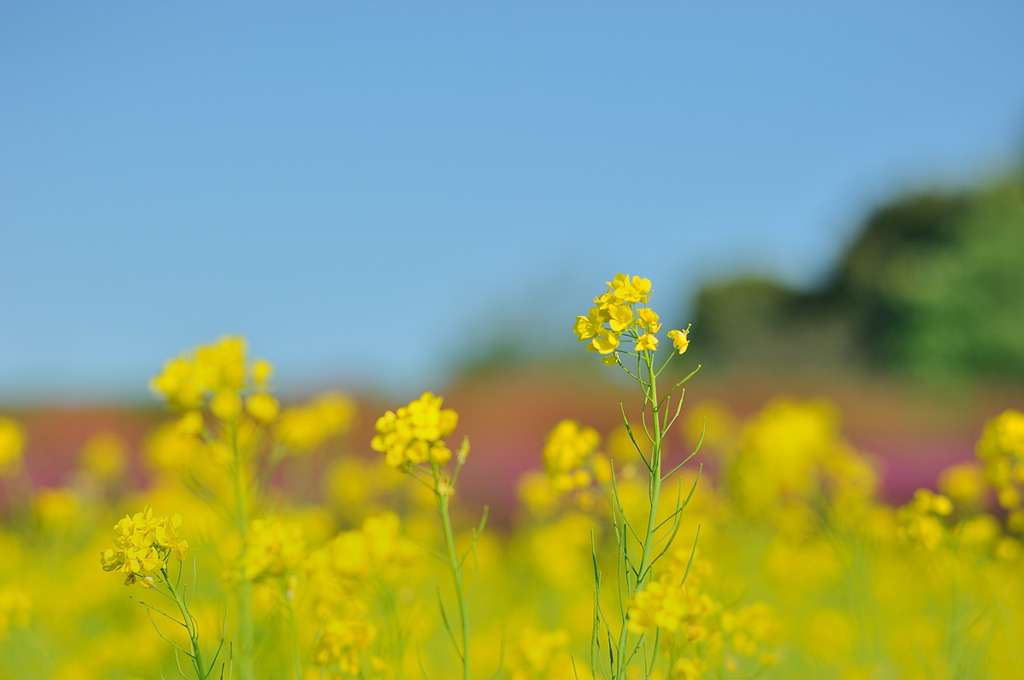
[
  {"x": 304, "y": 428},
  {"x": 226, "y": 405},
  {"x": 606, "y": 342},
  {"x": 646, "y": 342},
  {"x": 344, "y": 642},
  {"x": 630, "y": 289},
  {"x": 649, "y": 320},
  {"x": 619, "y": 317},
  {"x": 105, "y": 456},
  {"x": 415, "y": 433},
  {"x": 541, "y": 654},
  {"x": 921, "y": 519},
  {"x": 688, "y": 669},
  {"x": 588, "y": 326},
  {"x": 12, "y": 444},
  {"x": 262, "y": 370},
  {"x": 144, "y": 544},
  {"x": 15, "y": 608},
  {"x": 679, "y": 339},
  {"x": 262, "y": 407},
  {"x": 217, "y": 373},
  {"x": 567, "y": 452},
  {"x": 276, "y": 548},
  {"x": 190, "y": 424},
  {"x": 618, "y": 311}
]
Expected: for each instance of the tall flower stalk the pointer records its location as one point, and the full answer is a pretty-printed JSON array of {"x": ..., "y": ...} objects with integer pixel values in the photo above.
[
  {"x": 246, "y": 666},
  {"x": 412, "y": 440},
  {"x": 218, "y": 378},
  {"x": 142, "y": 550},
  {"x": 622, "y": 314}
]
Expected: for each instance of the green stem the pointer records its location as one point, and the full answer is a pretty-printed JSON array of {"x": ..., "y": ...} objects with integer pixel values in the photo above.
[
  {"x": 295, "y": 640},
  {"x": 654, "y": 487},
  {"x": 245, "y": 627},
  {"x": 190, "y": 626},
  {"x": 449, "y": 539},
  {"x": 654, "y": 493}
]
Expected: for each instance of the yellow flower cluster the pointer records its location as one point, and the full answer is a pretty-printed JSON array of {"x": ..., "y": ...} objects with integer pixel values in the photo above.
[
  {"x": 12, "y": 444},
  {"x": 694, "y": 618},
  {"x": 792, "y": 453},
  {"x": 143, "y": 546},
  {"x": 15, "y": 608},
  {"x": 1001, "y": 451},
  {"x": 216, "y": 375},
  {"x": 276, "y": 548},
  {"x": 304, "y": 428},
  {"x": 415, "y": 434},
  {"x": 343, "y": 643},
  {"x": 541, "y": 654},
  {"x": 568, "y": 452},
  {"x": 622, "y": 310},
  {"x": 749, "y": 628},
  {"x": 965, "y": 485},
  {"x": 344, "y": 576},
  {"x": 339, "y": 570},
  {"x": 104, "y": 456},
  {"x": 921, "y": 520},
  {"x": 673, "y": 605},
  {"x": 688, "y": 668}
]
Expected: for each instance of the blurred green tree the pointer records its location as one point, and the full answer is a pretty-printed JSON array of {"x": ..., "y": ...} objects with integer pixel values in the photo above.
[{"x": 932, "y": 286}]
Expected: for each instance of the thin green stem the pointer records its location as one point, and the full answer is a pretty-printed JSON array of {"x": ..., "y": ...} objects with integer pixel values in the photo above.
[
  {"x": 296, "y": 659},
  {"x": 189, "y": 623},
  {"x": 246, "y": 666},
  {"x": 641, "y": 574},
  {"x": 455, "y": 564}
]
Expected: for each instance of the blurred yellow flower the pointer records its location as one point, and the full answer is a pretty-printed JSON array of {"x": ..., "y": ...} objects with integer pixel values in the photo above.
[
  {"x": 304, "y": 428},
  {"x": 104, "y": 456},
  {"x": 12, "y": 444},
  {"x": 262, "y": 407}
]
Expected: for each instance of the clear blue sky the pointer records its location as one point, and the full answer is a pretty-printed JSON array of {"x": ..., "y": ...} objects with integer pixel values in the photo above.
[{"x": 366, "y": 189}]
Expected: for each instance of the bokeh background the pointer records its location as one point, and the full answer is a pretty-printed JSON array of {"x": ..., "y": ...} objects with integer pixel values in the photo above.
[{"x": 391, "y": 197}]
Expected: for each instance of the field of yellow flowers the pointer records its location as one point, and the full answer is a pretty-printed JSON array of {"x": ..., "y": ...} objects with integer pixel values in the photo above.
[{"x": 623, "y": 559}]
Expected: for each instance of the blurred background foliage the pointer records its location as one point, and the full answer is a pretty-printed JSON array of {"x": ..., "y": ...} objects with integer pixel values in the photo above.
[{"x": 929, "y": 288}]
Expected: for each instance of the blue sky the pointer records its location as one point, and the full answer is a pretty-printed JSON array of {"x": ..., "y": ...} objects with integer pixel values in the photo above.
[{"x": 366, "y": 190}]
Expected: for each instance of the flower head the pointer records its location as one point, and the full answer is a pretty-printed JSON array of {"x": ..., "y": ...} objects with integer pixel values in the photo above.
[
  {"x": 216, "y": 375},
  {"x": 144, "y": 545},
  {"x": 622, "y": 311},
  {"x": 679, "y": 339},
  {"x": 12, "y": 444},
  {"x": 415, "y": 433}
]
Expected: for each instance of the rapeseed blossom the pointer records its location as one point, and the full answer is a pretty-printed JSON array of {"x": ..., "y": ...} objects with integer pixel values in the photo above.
[
  {"x": 344, "y": 644},
  {"x": 680, "y": 339},
  {"x": 276, "y": 549},
  {"x": 541, "y": 654},
  {"x": 921, "y": 520},
  {"x": 216, "y": 375},
  {"x": 15, "y": 608},
  {"x": 1001, "y": 451},
  {"x": 144, "y": 545},
  {"x": 622, "y": 311},
  {"x": 415, "y": 433},
  {"x": 12, "y": 444},
  {"x": 105, "y": 456},
  {"x": 673, "y": 604},
  {"x": 305, "y": 427},
  {"x": 568, "y": 453}
]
